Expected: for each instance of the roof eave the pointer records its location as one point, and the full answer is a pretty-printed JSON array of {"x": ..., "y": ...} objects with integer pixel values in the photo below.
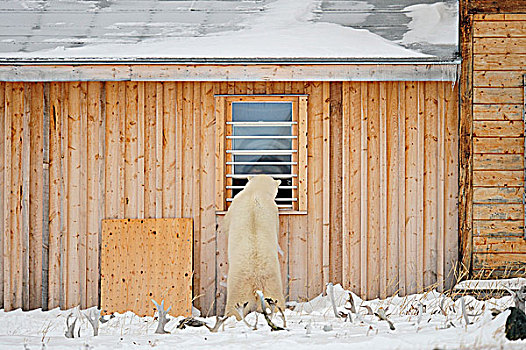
[{"x": 228, "y": 61}]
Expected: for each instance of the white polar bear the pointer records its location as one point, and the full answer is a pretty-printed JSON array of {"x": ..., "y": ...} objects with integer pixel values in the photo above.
[{"x": 252, "y": 225}]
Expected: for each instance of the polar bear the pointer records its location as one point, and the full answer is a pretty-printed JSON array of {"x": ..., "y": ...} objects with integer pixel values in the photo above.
[{"x": 252, "y": 225}]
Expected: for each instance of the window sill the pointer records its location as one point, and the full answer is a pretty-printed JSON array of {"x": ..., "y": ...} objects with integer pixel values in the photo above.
[{"x": 282, "y": 212}]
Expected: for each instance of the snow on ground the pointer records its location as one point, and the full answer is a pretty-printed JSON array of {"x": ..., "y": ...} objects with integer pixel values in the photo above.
[
  {"x": 311, "y": 325},
  {"x": 284, "y": 30},
  {"x": 432, "y": 23}
]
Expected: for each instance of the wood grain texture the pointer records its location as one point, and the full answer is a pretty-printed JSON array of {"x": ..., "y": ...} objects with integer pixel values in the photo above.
[
  {"x": 498, "y": 62},
  {"x": 498, "y": 194},
  {"x": 3, "y": 187},
  {"x": 497, "y": 112},
  {"x": 507, "y": 95},
  {"x": 498, "y": 145},
  {"x": 500, "y": 211},
  {"x": 136, "y": 150},
  {"x": 465, "y": 139},
  {"x": 497, "y": 8},
  {"x": 498, "y": 161},
  {"x": 487, "y": 28},
  {"x": 499, "y": 244},
  {"x": 315, "y": 188},
  {"x": 492, "y": 178},
  {"x": 336, "y": 179},
  {"x": 36, "y": 200},
  {"x": 498, "y": 228},
  {"x": 504, "y": 128},
  {"x": 499, "y": 45},
  {"x": 143, "y": 260},
  {"x": 497, "y": 79}
]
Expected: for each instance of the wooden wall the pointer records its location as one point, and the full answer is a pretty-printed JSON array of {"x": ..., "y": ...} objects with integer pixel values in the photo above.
[
  {"x": 382, "y": 174},
  {"x": 499, "y": 63}
]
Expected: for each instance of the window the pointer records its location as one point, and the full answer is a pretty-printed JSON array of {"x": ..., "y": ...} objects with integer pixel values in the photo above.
[{"x": 262, "y": 135}]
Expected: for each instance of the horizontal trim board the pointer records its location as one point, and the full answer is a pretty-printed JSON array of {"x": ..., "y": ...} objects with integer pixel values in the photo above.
[
  {"x": 322, "y": 72},
  {"x": 497, "y": 145},
  {"x": 512, "y": 15},
  {"x": 497, "y": 228},
  {"x": 499, "y": 29},
  {"x": 497, "y": 79},
  {"x": 489, "y": 195}
]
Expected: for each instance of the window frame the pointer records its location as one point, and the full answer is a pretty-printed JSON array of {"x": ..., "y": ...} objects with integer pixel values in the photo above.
[{"x": 223, "y": 111}]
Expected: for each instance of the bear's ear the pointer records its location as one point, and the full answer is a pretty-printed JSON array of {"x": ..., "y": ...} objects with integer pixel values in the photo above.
[
  {"x": 278, "y": 182},
  {"x": 250, "y": 177}
]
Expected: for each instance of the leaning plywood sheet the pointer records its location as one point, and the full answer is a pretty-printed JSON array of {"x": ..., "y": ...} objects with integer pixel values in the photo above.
[{"x": 146, "y": 259}]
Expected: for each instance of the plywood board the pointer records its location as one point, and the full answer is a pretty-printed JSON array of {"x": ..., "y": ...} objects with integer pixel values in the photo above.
[{"x": 144, "y": 259}]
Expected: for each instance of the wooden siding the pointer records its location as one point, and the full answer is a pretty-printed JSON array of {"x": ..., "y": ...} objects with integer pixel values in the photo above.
[
  {"x": 498, "y": 144},
  {"x": 381, "y": 214},
  {"x": 400, "y": 194}
]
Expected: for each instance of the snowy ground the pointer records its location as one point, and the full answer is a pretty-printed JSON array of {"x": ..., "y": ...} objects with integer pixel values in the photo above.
[{"x": 422, "y": 321}]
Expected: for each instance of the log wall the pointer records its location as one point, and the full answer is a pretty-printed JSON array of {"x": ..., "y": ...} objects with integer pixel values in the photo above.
[
  {"x": 381, "y": 183},
  {"x": 499, "y": 63}
]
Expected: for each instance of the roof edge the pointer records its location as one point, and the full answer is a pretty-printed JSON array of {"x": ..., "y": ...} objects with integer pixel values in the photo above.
[
  {"x": 234, "y": 72},
  {"x": 225, "y": 61}
]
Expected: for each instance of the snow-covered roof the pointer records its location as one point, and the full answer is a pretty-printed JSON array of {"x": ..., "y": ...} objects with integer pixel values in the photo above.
[{"x": 228, "y": 30}]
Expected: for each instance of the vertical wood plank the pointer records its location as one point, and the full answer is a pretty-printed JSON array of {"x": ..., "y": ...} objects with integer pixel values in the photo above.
[
  {"x": 3, "y": 188},
  {"x": 159, "y": 132},
  {"x": 411, "y": 183},
  {"x": 283, "y": 255},
  {"x": 346, "y": 187},
  {"x": 451, "y": 185},
  {"x": 8, "y": 213},
  {"x": 121, "y": 110},
  {"x": 141, "y": 127},
  {"x": 73, "y": 196},
  {"x": 441, "y": 144},
  {"x": 373, "y": 187},
  {"x": 335, "y": 220},
  {"x": 130, "y": 158},
  {"x": 298, "y": 232},
  {"x": 326, "y": 164},
  {"x": 420, "y": 186},
  {"x": 169, "y": 150},
  {"x": 18, "y": 263},
  {"x": 25, "y": 166},
  {"x": 93, "y": 164},
  {"x": 179, "y": 150},
  {"x": 315, "y": 184},
  {"x": 220, "y": 105},
  {"x": 221, "y": 237},
  {"x": 431, "y": 201},
  {"x": 392, "y": 195},
  {"x": 303, "y": 153},
  {"x": 36, "y": 194},
  {"x": 196, "y": 171},
  {"x": 466, "y": 138},
  {"x": 383, "y": 213},
  {"x": 150, "y": 155},
  {"x": 64, "y": 204},
  {"x": 83, "y": 233},
  {"x": 188, "y": 147},
  {"x": 352, "y": 174},
  {"x": 364, "y": 195},
  {"x": 112, "y": 154},
  {"x": 55, "y": 193},
  {"x": 205, "y": 290},
  {"x": 402, "y": 234}
]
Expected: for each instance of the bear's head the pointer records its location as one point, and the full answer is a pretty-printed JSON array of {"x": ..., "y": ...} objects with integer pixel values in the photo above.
[{"x": 264, "y": 183}]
